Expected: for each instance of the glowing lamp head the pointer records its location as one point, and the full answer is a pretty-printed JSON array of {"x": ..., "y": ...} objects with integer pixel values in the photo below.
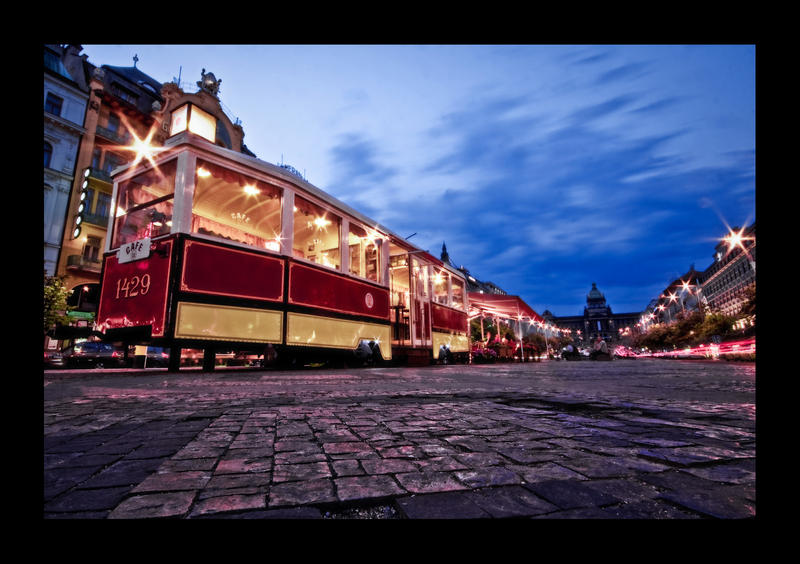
[{"x": 190, "y": 117}]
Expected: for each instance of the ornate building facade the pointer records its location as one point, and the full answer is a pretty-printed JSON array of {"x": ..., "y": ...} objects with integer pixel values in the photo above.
[
  {"x": 597, "y": 320},
  {"x": 65, "y": 99},
  {"x": 123, "y": 105}
]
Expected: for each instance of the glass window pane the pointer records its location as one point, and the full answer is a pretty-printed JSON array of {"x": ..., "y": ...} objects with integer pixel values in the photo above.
[
  {"x": 232, "y": 206},
  {"x": 458, "y": 292},
  {"x": 363, "y": 253},
  {"x": 146, "y": 187},
  {"x": 149, "y": 221},
  {"x": 144, "y": 205},
  {"x": 440, "y": 279},
  {"x": 316, "y": 234}
]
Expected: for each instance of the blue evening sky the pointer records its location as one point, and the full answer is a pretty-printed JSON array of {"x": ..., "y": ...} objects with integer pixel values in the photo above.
[{"x": 544, "y": 168}]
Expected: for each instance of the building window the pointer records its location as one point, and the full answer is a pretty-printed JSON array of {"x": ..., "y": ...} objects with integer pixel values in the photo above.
[
  {"x": 53, "y": 104},
  {"x": 232, "y": 206},
  {"x": 124, "y": 94},
  {"x": 103, "y": 205},
  {"x": 88, "y": 201},
  {"x": 111, "y": 162},
  {"x": 113, "y": 123},
  {"x": 91, "y": 251},
  {"x": 48, "y": 154},
  {"x": 363, "y": 252},
  {"x": 316, "y": 234},
  {"x": 144, "y": 205}
]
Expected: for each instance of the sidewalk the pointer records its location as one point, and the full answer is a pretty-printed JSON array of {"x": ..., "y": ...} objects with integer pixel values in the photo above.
[{"x": 636, "y": 439}]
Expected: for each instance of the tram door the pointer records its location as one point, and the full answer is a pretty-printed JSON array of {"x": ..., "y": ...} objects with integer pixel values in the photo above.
[
  {"x": 421, "y": 305},
  {"x": 399, "y": 283}
]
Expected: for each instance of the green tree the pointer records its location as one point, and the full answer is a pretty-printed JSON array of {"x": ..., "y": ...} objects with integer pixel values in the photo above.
[
  {"x": 749, "y": 305},
  {"x": 716, "y": 324},
  {"x": 55, "y": 306}
]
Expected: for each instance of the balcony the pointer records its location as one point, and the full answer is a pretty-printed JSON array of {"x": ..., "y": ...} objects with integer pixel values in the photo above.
[
  {"x": 120, "y": 138},
  {"x": 79, "y": 262},
  {"x": 98, "y": 220}
]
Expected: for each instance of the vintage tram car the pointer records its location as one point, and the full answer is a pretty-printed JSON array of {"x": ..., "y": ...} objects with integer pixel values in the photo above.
[{"x": 213, "y": 249}]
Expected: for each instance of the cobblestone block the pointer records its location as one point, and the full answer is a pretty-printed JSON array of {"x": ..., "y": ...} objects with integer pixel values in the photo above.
[
  {"x": 87, "y": 500},
  {"x": 571, "y": 494},
  {"x": 173, "y": 481},
  {"x": 365, "y": 487},
  {"x": 292, "y": 472},
  {"x": 429, "y": 482},
  {"x": 489, "y": 476},
  {"x": 239, "y": 465},
  {"x": 544, "y": 472},
  {"x": 448, "y": 505},
  {"x": 388, "y": 466},
  {"x": 510, "y": 501},
  {"x": 301, "y": 493},
  {"x": 250, "y": 479},
  {"x": 149, "y": 506},
  {"x": 234, "y": 502},
  {"x": 347, "y": 468}
]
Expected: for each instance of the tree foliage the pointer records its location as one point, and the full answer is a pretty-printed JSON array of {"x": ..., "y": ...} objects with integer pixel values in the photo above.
[
  {"x": 54, "y": 304},
  {"x": 688, "y": 329}
]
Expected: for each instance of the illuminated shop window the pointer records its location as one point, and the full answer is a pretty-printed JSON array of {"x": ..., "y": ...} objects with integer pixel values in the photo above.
[
  {"x": 440, "y": 279},
  {"x": 458, "y": 292},
  {"x": 144, "y": 205},
  {"x": 235, "y": 207},
  {"x": 316, "y": 234},
  {"x": 363, "y": 252}
]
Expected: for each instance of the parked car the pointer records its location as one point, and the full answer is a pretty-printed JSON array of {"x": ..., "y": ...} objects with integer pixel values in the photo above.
[
  {"x": 93, "y": 354},
  {"x": 53, "y": 359},
  {"x": 157, "y": 356}
]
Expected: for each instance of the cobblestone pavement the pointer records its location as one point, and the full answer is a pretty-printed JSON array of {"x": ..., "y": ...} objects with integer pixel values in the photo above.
[{"x": 641, "y": 439}]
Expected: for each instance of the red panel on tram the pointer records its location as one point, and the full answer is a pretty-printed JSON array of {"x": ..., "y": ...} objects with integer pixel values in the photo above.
[
  {"x": 315, "y": 288},
  {"x": 134, "y": 294},
  {"x": 448, "y": 318},
  {"x": 211, "y": 269}
]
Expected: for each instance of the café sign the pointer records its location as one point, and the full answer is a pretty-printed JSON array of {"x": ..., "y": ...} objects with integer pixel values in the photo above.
[{"x": 135, "y": 250}]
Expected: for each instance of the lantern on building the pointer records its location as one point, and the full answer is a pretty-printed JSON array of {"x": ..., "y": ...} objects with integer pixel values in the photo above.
[{"x": 189, "y": 117}]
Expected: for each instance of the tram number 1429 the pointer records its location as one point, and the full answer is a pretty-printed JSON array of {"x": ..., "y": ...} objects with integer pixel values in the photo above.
[{"x": 130, "y": 288}]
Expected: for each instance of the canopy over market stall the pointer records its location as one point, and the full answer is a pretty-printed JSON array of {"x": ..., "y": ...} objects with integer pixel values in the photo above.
[{"x": 501, "y": 306}]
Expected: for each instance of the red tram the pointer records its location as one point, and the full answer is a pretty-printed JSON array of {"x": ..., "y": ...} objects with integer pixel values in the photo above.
[{"x": 213, "y": 249}]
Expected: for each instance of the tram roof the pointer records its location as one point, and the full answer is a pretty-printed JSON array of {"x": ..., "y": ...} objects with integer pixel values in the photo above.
[{"x": 197, "y": 142}]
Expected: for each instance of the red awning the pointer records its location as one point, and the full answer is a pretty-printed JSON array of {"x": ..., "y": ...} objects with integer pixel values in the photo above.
[{"x": 498, "y": 305}]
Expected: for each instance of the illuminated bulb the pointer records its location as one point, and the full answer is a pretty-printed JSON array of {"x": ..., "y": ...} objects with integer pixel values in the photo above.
[
  {"x": 251, "y": 190},
  {"x": 203, "y": 173},
  {"x": 321, "y": 222}
]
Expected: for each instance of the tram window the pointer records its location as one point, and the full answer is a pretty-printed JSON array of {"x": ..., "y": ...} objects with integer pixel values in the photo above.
[
  {"x": 144, "y": 205},
  {"x": 458, "y": 292},
  {"x": 232, "y": 206},
  {"x": 316, "y": 234},
  {"x": 363, "y": 253},
  {"x": 420, "y": 273},
  {"x": 440, "y": 287}
]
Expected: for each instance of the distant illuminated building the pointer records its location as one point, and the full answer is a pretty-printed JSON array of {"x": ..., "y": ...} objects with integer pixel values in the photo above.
[
  {"x": 725, "y": 282},
  {"x": 597, "y": 320}
]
